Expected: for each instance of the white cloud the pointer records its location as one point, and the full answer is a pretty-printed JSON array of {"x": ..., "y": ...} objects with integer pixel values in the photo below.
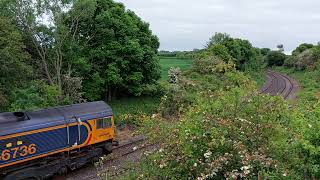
[{"x": 188, "y": 24}]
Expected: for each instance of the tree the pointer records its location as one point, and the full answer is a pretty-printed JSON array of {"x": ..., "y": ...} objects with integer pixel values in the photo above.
[
  {"x": 242, "y": 51},
  {"x": 219, "y": 51},
  {"x": 218, "y": 38},
  {"x": 264, "y": 51},
  {"x": 46, "y": 40},
  {"x": 301, "y": 48},
  {"x": 275, "y": 58},
  {"x": 14, "y": 68},
  {"x": 118, "y": 47}
]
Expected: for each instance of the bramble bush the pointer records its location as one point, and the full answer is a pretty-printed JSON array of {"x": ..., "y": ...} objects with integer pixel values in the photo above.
[{"x": 226, "y": 130}]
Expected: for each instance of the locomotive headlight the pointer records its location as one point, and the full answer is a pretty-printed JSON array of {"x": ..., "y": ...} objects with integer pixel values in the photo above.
[{"x": 9, "y": 145}]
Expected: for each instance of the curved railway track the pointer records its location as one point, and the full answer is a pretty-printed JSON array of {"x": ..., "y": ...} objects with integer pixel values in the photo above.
[{"x": 279, "y": 84}]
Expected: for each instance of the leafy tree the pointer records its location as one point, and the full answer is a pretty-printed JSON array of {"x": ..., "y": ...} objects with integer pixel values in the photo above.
[
  {"x": 217, "y": 50},
  {"x": 264, "y": 51},
  {"x": 301, "y": 48},
  {"x": 275, "y": 58},
  {"x": 308, "y": 59},
  {"x": 38, "y": 95},
  {"x": 14, "y": 68},
  {"x": 118, "y": 46},
  {"x": 242, "y": 51},
  {"x": 218, "y": 38},
  {"x": 46, "y": 40}
]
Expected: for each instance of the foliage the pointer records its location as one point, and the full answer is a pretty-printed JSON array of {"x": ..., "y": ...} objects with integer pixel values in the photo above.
[
  {"x": 213, "y": 140},
  {"x": 218, "y": 51},
  {"x": 221, "y": 127},
  {"x": 301, "y": 48},
  {"x": 38, "y": 95},
  {"x": 241, "y": 51},
  {"x": 218, "y": 38},
  {"x": 121, "y": 49},
  {"x": 189, "y": 54},
  {"x": 265, "y": 51},
  {"x": 275, "y": 58},
  {"x": 167, "y": 53},
  {"x": 308, "y": 105},
  {"x": 174, "y": 74},
  {"x": 87, "y": 49},
  {"x": 212, "y": 64},
  {"x": 14, "y": 60},
  {"x": 308, "y": 59},
  {"x": 128, "y": 109},
  {"x": 225, "y": 129}
]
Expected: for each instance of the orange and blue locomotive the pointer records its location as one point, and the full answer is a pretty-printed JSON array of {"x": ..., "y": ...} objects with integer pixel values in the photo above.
[{"x": 38, "y": 144}]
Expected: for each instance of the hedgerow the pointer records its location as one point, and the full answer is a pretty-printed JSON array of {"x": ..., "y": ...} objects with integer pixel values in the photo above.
[{"x": 220, "y": 127}]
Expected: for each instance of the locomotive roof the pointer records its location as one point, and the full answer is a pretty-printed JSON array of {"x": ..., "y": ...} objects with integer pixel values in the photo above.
[{"x": 10, "y": 124}]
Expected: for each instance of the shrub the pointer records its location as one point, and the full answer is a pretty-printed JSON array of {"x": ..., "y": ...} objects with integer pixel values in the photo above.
[
  {"x": 174, "y": 74},
  {"x": 226, "y": 134},
  {"x": 275, "y": 58},
  {"x": 212, "y": 64},
  {"x": 307, "y": 59}
]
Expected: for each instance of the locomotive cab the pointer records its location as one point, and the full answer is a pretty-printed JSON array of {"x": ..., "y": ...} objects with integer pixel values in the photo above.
[{"x": 104, "y": 132}]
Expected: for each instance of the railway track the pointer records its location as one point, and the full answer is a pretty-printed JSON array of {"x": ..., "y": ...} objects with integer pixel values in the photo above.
[
  {"x": 279, "y": 84},
  {"x": 114, "y": 164}
]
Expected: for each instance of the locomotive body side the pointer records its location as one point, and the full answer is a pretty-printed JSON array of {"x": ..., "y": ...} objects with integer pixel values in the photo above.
[
  {"x": 58, "y": 138},
  {"x": 18, "y": 148}
]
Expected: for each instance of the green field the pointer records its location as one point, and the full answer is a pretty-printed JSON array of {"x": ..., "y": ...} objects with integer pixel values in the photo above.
[{"x": 167, "y": 62}]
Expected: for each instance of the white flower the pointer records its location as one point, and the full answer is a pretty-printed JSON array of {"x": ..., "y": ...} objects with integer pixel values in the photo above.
[
  {"x": 195, "y": 164},
  {"x": 245, "y": 167},
  {"x": 310, "y": 126},
  {"x": 284, "y": 174},
  {"x": 161, "y": 166},
  {"x": 161, "y": 150},
  {"x": 207, "y": 154},
  {"x": 154, "y": 115},
  {"x": 134, "y": 148}
]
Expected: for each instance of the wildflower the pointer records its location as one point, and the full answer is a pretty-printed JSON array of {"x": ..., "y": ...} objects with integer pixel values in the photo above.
[
  {"x": 195, "y": 165},
  {"x": 207, "y": 154},
  {"x": 134, "y": 148},
  {"x": 154, "y": 115},
  {"x": 245, "y": 167},
  {"x": 310, "y": 126},
  {"x": 246, "y": 172}
]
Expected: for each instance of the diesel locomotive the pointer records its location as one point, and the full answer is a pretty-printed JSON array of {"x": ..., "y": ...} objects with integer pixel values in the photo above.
[{"x": 39, "y": 144}]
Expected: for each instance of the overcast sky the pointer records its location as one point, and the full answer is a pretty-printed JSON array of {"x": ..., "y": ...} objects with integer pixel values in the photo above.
[{"x": 188, "y": 24}]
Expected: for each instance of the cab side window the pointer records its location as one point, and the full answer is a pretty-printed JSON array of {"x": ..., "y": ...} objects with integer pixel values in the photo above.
[{"x": 104, "y": 123}]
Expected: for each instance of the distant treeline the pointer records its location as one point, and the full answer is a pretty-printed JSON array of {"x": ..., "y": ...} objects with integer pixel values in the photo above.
[{"x": 180, "y": 54}]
